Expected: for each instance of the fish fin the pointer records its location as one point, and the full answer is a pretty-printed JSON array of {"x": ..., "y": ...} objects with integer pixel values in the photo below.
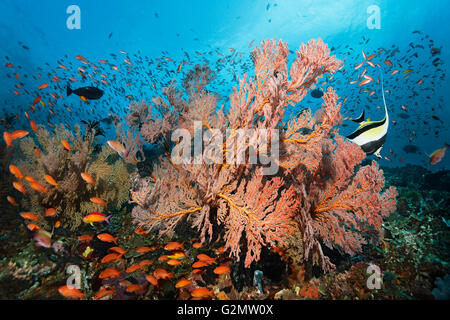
[
  {"x": 68, "y": 90},
  {"x": 360, "y": 118},
  {"x": 107, "y": 219},
  {"x": 377, "y": 153},
  {"x": 91, "y": 224}
]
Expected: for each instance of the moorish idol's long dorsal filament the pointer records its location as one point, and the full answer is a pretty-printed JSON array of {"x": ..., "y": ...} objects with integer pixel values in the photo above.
[{"x": 371, "y": 135}]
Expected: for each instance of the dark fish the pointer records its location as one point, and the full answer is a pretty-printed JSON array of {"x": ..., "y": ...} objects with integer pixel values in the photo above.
[
  {"x": 91, "y": 93},
  {"x": 317, "y": 93},
  {"x": 410, "y": 148}
]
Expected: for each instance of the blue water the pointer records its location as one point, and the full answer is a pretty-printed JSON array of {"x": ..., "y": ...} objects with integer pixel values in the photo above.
[{"x": 203, "y": 29}]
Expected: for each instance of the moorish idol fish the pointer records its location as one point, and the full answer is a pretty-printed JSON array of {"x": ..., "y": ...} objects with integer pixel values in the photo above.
[{"x": 371, "y": 135}]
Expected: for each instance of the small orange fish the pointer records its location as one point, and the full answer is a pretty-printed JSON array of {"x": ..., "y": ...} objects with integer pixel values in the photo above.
[
  {"x": 70, "y": 292},
  {"x": 85, "y": 237},
  {"x": 202, "y": 293},
  {"x": 37, "y": 152},
  {"x": 144, "y": 249},
  {"x": 87, "y": 177},
  {"x": 33, "y": 227},
  {"x": 162, "y": 274},
  {"x": 133, "y": 288},
  {"x": 117, "y": 146},
  {"x": 133, "y": 268},
  {"x": 57, "y": 224},
  {"x": 106, "y": 237},
  {"x": 200, "y": 264},
  {"x": 183, "y": 283},
  {"x": 8, "y": 138},
  {"x": 221, "y": 270},
  {"x": 150, "y": 278},
  {"x": 43, "y": 86},
  {"x": 29, "y": 216},
  {"x": 111, "y": 257},
  {"x": 197, "y": 245},
  {"x": 96, "y": 217},
  {"x": 173, "y": 262},
  {"x": 29, "y": 179},
  {"x": 50, "y": 180},
  {"x": 109, "y": 273},
  {"x": 33, "y": 126},
  {"x": 99, "y": 201},
  {"x": 103, "y": 293},
  {"x": 364, "y": 82},
  {"x": 118, "y": 250},
  {"x": 38, "y": 187},
  {"x": 50, "y": 212},
  {"x": 15, "y": 171},
  {"x": 438, "y": 154},
  {"x": 66, "y": 145},
  {"x": 173, "y": 246},
  {"x": 19, "y": 134},
  {"x": 19, "y": 187},
  {"x": 12, "y": 201},
  {"x": 140, "y": 231},
  {"x": 206, "y": 258},
  {"x": 359, "y": 65},
  {"x": 145, "y": 263}
]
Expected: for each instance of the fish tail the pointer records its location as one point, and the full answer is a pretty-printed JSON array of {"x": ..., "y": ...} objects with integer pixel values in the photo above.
[
  {"x": 68, "y": 90},
  {"x": 107, "y": 219}
]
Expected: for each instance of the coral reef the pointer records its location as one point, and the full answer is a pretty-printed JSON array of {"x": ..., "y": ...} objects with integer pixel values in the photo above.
[
  {"x": 319, "y": 186},
  {"x": 71, "y": 196}
]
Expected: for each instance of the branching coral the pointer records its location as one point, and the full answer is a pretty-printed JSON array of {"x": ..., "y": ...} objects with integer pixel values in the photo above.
[
  {"x": 319, "y": 192},
  {"x": 71, "y": 197}
]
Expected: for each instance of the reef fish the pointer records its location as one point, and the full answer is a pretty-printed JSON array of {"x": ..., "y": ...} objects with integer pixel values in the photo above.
[
  {"x": 371, "y": 135},
  {"x": 95, "y": 217},
  {"x": 89, "y": 93},
  {"x": 438, "y": 154}
]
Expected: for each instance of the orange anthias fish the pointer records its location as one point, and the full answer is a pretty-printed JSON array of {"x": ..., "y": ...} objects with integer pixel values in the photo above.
[
  {"x": 118, "y": 250},
  {"x": 70, "y": 292},
  {"x": 173, "y": 246},
  {"x": 19, "y": 187},
  {"x": 162, "y": 274},
  {"x": 96, "y": 217},
  {"x": 183, "y": 283},
  {"x": 66, "y": 145},
  {"x": 50, "y": 212},
  {"x": 110, "y": 257},
  {"x": 206, "y": 258},
  {"x": 38, "y": 187},
  {"x": 202, "y": 293},
  {"x": 37, "y": 152},
  {"x": 29, "y": 216},
  {"x": 19, "y": 134},
  {"x": 12, "y": 201},
  {"x": 50, "y": 180},
  {"x": 221, "y": 270},
  {"x": 103, "y": 293},
  {"x": 438, "y": 154},
  {"x": 151, "y": 279},
  {"x": 8, "y": 139},
  {"x": 43, "y": 86},
  {"x": 106, "y": 237},
  {"x": 99, "y": 201},
  {"x": 15, "y": 171},
  {"x": 117, "y": 146},
  {"x": 109, "y": 273},
  {"x": 85, "y": 237},
  {"x": 87, "y": 177},
  {"x": 33, "y": 126}
]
